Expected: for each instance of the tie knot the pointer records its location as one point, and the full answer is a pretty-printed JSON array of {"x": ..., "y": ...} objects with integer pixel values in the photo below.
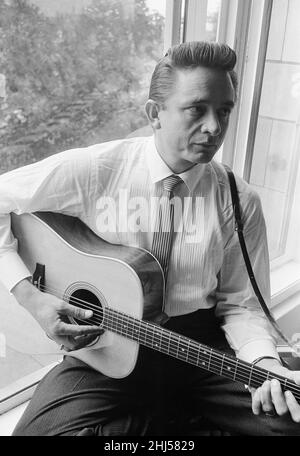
[{"x": 170, "y": 182}]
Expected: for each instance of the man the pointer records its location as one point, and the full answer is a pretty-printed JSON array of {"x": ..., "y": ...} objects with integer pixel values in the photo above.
[{"x": 192, "y": 93}]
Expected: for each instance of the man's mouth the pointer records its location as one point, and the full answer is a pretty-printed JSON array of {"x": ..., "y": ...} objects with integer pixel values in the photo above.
[{"x": 205, "y": 144}]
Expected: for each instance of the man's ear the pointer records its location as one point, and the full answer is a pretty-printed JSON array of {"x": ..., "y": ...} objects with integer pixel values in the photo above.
[{"x": 152, "y": 112}]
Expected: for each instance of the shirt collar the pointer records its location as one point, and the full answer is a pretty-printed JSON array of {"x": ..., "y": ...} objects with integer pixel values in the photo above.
[{"x": 159, "y": 170}]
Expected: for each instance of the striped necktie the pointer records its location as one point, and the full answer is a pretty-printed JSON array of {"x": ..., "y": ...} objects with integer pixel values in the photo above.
[{"x": 164, "y": 225}]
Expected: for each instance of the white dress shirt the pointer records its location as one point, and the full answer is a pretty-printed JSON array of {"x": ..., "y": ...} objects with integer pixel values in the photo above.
[{"x": 111, "y": 186}]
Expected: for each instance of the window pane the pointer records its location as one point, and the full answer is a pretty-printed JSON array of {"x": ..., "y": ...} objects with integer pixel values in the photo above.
[
  {"x": 276, "y": 151},
  {"x": 212, "y": 20},
  {"x": 202, "y": 19},
  {"x": 73, "y": 73}
]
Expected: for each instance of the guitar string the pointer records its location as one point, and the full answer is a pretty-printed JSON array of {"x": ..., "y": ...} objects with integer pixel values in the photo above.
[
  {"x": 121, "y": 321},
  {"x": 247, "y": 366},
  {"x": 157, "y": 328}
]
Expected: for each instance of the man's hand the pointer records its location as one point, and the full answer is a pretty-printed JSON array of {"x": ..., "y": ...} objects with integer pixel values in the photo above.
[
  {"x": 270, "y": 399},
  {"x": 52, "y": 314}
]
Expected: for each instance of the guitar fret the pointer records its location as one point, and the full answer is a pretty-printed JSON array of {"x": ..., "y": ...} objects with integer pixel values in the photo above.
[
  {"x": 152, "y": 335},
  {"x": 130, "y": 329},
  {"x": 203, "y": 364},
  {"x": 222, "y": 364},
  {"x": 124, "y": 326},
  {"x": 209, "y": 359},
  {"x": 169, "y": 344},
  {"x": 178, "y": 344},
  {"x": 235, "y": 371},
  {"x": 227, "y": 368},
  {"x": 156, "y": 335},
  {"x": 150, "y": 344},
  {"x": 215, "y": 369},
  {"x": 143, "y": 333},
  {"x": 198, "y": 354},
  {"x": 183, "y": 350},
  {"x": 187, "y": 350},
  {"x": 160, "y": 338},
  {"x": 137, "y": 332}
]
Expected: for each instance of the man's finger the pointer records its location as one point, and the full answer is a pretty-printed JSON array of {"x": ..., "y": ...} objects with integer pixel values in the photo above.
[
  {"x": 83, "y": 341},
  {"x": 66, "y": 343},
  {"x": 256, "y": 403},
  {"x": 75, "y": 312},
  {"x": 67, "y": 329},
  {"x": 69, "y": 343},
  {"x": 278, "y": 398},
  {"x": 293, "y": 406},
  {"x": 266, "y": 398}
]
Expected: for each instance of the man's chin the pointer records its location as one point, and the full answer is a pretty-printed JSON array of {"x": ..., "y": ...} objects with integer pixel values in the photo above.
[{"x": 203, "y": 156}]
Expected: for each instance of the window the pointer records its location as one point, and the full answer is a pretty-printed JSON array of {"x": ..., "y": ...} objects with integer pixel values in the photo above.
[
  {"x": 265, "y": 135},
  {"x": 276, "y": 150},
  {"x": 202, "y": 20},
  {"x": 272, "y": 162},
  {"x": 73, "y": 73}
]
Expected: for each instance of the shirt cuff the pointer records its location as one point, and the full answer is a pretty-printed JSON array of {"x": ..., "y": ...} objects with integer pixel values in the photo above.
[
  {"x": 257, "y": 348},
  {"x": 12, "y": 269}
]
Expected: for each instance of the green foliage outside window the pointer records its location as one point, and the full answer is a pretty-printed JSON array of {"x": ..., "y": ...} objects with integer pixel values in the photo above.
[{"x": 75, "y": 79}]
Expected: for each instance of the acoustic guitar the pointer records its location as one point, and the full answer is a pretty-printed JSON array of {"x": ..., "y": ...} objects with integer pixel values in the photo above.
[{"x": 124, "y": 287}]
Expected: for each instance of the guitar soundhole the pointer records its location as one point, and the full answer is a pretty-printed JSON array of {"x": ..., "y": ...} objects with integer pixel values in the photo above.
[{"x": 86, "y": 299}]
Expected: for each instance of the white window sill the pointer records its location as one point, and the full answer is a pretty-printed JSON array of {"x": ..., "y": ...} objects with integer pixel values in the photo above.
[
  {"x": 9, "y": 419},
  {"x": 20, "y": 391},
  {"x": 285, "y": 282}
]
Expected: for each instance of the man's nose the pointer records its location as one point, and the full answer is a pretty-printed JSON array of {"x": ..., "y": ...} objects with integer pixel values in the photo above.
[{"x": 211, "y": 124}]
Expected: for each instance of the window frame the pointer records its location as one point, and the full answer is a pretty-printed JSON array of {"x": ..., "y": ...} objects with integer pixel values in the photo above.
[
  {"x": 173, "y": 24},
  {"x": 239, "y": 145},
  {"x": 22, "y": 390}
]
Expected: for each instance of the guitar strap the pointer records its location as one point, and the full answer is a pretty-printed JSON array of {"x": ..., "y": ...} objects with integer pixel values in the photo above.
[{"x": 239, "y": 228}]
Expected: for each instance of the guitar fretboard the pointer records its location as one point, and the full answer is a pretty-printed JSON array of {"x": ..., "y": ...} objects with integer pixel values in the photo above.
[{"x": 187, "y": 350}]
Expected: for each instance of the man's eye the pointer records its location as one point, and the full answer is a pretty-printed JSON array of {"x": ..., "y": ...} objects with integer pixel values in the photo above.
[
  {"x": 224, "y": 112},
  {"x": 196, "y": 110}
]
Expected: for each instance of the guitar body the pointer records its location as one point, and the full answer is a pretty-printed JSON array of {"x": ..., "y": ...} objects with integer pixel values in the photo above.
[{"x": 79, "y": 265}]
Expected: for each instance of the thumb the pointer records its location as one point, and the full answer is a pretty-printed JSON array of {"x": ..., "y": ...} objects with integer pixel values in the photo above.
[{"x": 76, "y": 312}]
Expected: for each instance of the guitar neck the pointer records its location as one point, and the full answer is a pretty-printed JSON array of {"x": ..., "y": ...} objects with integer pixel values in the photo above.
[{"x": 189, "y": 351}]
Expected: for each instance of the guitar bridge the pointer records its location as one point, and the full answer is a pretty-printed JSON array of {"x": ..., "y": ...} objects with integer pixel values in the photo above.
[{"x": 38, "y": 278}]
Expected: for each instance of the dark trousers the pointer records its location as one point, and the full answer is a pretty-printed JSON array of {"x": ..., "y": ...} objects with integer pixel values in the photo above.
[{"x": 74, "y": 399}]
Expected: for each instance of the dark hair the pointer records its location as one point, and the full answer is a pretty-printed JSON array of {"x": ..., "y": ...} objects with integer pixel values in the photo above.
[{"x": 187, "y": 56}]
